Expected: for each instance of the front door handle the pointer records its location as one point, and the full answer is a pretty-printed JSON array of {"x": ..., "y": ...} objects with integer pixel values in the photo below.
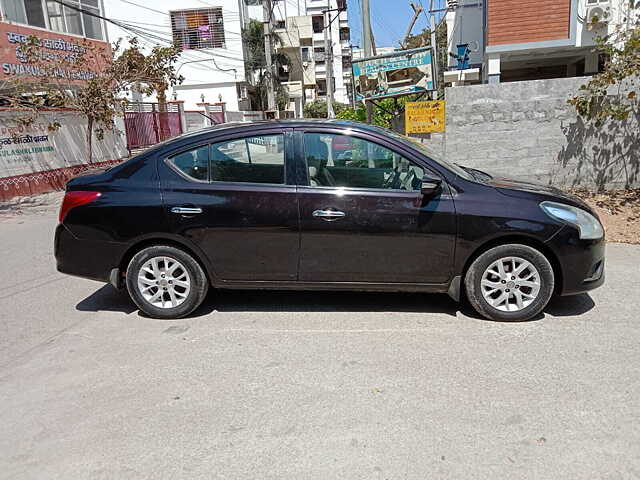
[
  {"x": 186, "y": 210},
  {"x": 329, "y": 215}
]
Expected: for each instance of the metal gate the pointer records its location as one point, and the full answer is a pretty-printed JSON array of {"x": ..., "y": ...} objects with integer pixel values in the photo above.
[{"x": 145, "y": 125}]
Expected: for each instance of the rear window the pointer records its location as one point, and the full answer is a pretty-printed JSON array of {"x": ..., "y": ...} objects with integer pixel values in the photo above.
[
  {"x": 258, "y": 159},
  {"x": 193, "y": 163}
]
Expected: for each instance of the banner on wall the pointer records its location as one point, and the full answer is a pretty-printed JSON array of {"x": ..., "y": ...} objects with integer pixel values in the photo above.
[
  {"x": 27, "y": 149},
  {"x": 55, "y": 49}
]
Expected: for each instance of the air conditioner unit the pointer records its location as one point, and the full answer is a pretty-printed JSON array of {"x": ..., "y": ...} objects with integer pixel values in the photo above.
[{"x": 596, "y": 15}]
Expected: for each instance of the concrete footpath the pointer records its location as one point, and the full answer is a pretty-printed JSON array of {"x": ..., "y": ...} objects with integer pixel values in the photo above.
[{"x": 310, "y": 385}]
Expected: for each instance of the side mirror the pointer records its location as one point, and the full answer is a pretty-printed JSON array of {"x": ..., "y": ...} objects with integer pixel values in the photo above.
[{"x": 430, "y": 184}]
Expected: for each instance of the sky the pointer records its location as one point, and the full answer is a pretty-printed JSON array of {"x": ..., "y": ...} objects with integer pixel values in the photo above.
[{"x": 389, "y": 20}]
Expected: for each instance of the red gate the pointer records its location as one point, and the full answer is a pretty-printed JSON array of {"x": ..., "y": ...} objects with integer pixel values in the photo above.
[{"x": 145, "y": 125}]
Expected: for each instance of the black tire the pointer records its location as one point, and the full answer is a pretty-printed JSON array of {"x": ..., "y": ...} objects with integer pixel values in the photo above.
[
  {"x": 199, "y": 284},
  {"x": 473, "y": 279}
]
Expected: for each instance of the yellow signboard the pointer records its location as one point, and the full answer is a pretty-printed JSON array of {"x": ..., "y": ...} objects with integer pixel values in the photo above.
[{"x": 424, "y": 117}]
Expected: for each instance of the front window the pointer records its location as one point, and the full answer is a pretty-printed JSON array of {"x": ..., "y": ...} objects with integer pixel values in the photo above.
[
  {"x": 429, "y": 153},
  {"x": 345, "y": 161}
]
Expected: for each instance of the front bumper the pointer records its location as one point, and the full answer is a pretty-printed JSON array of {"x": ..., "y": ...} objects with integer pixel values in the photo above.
[
  {"x": 85, "y": 258},
  {"x": 582, "y": 262}
]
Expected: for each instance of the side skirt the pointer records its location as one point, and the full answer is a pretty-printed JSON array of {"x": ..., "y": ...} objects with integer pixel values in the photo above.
[{"x": 353, "y": 286}]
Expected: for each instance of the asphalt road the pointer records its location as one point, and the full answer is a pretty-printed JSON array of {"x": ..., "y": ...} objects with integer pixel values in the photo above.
[{"x": 310, "y": 385}]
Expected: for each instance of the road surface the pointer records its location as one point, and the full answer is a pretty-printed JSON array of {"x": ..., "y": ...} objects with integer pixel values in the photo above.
[{"x": 285, "y": 385}]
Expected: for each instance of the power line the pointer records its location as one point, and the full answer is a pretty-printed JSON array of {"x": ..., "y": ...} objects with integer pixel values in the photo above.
[{"x": 165, "y": 13}]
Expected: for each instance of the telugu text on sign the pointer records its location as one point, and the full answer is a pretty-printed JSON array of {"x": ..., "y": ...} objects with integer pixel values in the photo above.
[{"x": 425, "y": 117}]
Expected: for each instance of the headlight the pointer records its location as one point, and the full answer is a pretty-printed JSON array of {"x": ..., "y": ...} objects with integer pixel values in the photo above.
[{"x": 588, "y": 225}]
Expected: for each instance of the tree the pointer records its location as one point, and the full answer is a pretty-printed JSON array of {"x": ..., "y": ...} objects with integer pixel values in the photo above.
[
  {"x": 612, "y": 94},
  {"x": 256, "y": 65},
  {"x": 148, "y": 73},
  {"x": 381, "y": 117},
  {"x": 318, "y": 109},
  {"x": 90, "y": 81}
]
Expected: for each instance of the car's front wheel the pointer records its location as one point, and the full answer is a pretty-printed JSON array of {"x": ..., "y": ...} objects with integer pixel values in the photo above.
[
  {"x": 166, "y": 282},
  {"x": 510, "y": 283}
]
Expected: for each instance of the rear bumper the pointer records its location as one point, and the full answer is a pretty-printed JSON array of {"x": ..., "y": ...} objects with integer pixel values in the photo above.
[
  {"x": 85, "y": 258},
  {"x": 582, "y": 262}
]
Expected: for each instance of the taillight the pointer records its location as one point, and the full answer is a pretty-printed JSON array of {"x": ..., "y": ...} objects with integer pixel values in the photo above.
[{"x": 75, "y": 199}]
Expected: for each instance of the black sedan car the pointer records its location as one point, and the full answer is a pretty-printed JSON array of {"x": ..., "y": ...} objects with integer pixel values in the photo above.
[{"x": 328, "y": 205}]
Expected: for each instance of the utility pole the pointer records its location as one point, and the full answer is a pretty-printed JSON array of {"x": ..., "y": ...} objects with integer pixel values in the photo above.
[
  {"x": 434, "y": 52},
  {"x": 268, "y": 17},
  {"x": 367, "y": 45},
  {"x": 328, "y": 59}
]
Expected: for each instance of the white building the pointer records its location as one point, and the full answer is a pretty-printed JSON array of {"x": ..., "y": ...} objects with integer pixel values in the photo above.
[
  {"x": 300, "y": 25},
  {"x": 359, "y": 52},
  {"x": 212, "y": 62},
  {"x": 213, "y": 58},
  {"x": 535, "y": 40}
]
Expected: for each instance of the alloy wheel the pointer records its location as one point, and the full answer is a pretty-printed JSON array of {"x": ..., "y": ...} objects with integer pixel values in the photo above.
[
  {"x": 510, "y": 284},
  {"x": 164, "y": 282}
]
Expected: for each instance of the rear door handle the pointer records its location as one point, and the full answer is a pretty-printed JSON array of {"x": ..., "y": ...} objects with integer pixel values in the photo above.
[
  {"x": 329, "y": 215},
  {"x": 186, "y": 210}
]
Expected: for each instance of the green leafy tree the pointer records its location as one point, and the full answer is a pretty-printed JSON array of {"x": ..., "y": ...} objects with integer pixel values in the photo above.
[
  {"x": 613, "y": 93},
  {"x": 318, "y": 109}
]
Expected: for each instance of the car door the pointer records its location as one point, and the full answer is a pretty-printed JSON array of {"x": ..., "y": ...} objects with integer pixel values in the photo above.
[
  {"x": 363, "y": 217},
  {"x": 233, "y": 198}
]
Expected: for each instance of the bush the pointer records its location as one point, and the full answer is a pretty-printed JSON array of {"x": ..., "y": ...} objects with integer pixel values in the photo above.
[{"x": 318, "y": 109}]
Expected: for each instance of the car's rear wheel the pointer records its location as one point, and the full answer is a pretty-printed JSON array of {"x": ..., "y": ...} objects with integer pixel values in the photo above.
[
  {"x": 166, "y": 282},
  {"x": 510, "y": 283}
]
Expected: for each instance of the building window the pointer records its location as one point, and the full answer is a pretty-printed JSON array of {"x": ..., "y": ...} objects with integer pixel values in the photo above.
[
  {"x": 281, "y": 24},
  {"x": 318, "y": 54},
  {"x": 346, "y": 62},
  {"x": 342, "y": 4},
  {"x": 321, "y": 88},
  {"x": 345, "y": 34},
  {"x": 34, "y": 12},
  {"x": 64, "y": 19},
  {"x": 304, "y": 53},
  {"x": 91, "y": 23},
  {"x": 318, "y": 23},
  {"x": 70, "y": 20},
  {"x": 198, "y": 28}
]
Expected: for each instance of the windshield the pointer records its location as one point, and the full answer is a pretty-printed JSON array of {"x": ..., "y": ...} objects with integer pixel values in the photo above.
[{"x": 428, "y": 152}]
